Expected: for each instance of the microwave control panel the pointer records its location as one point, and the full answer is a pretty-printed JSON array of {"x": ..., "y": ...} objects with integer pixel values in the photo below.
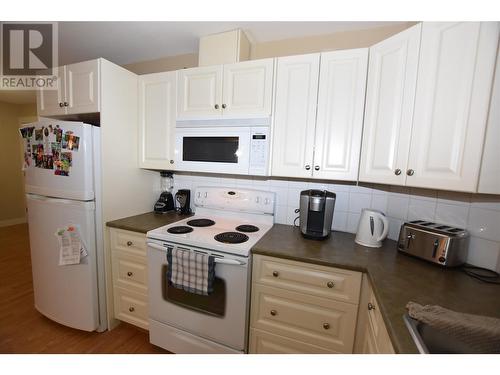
[{"x": 259, "y": 151}]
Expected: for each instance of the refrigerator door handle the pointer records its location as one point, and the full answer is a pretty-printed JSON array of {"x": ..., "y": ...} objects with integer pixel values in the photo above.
[{"x": 89, "y": 205}]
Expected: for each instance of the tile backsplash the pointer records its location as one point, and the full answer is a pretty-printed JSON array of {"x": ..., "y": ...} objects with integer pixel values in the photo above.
[{"x": 479, "y": 213}]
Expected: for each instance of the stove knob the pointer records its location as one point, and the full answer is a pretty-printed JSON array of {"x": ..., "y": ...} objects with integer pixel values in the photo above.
[
  {"x": 257, "y": 200},
  {"x": 266, "y": 201}
]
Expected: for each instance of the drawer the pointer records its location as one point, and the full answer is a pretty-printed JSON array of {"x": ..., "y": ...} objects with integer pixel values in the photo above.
[
  {"x": 131, "y": 307},
  {"x": 262, "y": 342},
  {"x": 131, "y": 243},
  {"x": 317, "y": 321},
  {"x": 130, "y": 273},
  {"x": 316, "y": 280}
]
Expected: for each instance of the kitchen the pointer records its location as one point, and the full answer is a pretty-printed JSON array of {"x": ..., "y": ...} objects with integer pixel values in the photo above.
[{"x": 313, "y": 189}]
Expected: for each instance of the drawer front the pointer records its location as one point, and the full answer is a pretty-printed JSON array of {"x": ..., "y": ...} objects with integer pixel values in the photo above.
[
  {"x": 318, "y": 321},
  {"x": 321, "y": 281},
  {"x": 131, "y": 307},
  {"x": 130, "y": 273},
  {"x": 131, "y": 243},
  {"x": 262, "y": 342}
]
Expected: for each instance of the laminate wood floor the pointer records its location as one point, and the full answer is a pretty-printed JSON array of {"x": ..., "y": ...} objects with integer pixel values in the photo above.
[{"x": 24, "y": 330}]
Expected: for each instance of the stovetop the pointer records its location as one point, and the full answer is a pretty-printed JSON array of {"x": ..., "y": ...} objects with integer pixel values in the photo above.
[{"x": 234, "y": 229}]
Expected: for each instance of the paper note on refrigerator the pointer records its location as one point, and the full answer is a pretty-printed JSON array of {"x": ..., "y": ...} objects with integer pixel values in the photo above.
[{"x": 71, "y": 248}]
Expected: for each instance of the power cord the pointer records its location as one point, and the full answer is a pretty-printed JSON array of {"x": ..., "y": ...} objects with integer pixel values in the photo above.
[{"x": 482, "y": 274}]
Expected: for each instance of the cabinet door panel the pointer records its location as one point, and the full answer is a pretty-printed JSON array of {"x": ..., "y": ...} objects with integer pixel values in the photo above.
[
  {"x": 295, "y": 115},
  {"x": 453, "y": 90},
  {"x": 247, "y": 90},
  {"x": 82, "y": 87},
  {"x": 339, "y": 122},
  {"x": 390, "y": 95},
  {"x": 157, "y": 106},
  {"x": 48, "y": 101},
  {"x": 199, "y": 91}
]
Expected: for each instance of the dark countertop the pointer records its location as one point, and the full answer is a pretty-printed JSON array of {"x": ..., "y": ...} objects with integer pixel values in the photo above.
[
  {"x": 396, "y": 278},
  {"x": 145, "y": 222}
]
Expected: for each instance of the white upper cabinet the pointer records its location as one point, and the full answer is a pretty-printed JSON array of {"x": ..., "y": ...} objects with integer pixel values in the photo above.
[
  {"x": 248, "y": 88},
  {"x": 451, "y": 106},
  {"x": 295, "y": 115},
  {"x": 319, "y": 114},
  {"x": 157, "y": 108},
  {"x": 78, "y": 91},
  {"x": 200, "y": 92},
  {"x": 339, "y": 120},
  {"x": 82, "y": 87},
  {"x": 51, "y": 102},
  {"x": 390, "y": 95},
  {"x": 240, "y": 90}
]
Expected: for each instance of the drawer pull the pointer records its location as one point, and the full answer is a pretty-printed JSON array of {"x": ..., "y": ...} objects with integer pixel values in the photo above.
[
  {"x": 129, "y": 243},
  {"x": 131, "y": 309},
  {"x": 274, "y": 312},
  {"x": 330, "y": 284},
  {"x": 371, "y": 306},
  {"x": 326, "y": 325},
  {"x": 130, "y": 274},
  {"x": 276, "y": 273}
]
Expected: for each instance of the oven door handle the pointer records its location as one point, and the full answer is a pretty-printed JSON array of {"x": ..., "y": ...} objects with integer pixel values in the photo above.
[{"x": 234, "y": 262}]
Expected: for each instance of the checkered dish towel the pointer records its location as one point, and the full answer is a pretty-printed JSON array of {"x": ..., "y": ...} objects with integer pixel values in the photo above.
[{"x": 191, "y": 271}]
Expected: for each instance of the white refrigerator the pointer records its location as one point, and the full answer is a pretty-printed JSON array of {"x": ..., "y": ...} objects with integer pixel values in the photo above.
[{"x": 62, "y": 182}]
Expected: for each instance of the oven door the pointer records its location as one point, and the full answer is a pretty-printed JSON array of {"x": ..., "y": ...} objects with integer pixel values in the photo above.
[
  {"x": 216, "y": 150},
  {"x": 220, "y": 316}
]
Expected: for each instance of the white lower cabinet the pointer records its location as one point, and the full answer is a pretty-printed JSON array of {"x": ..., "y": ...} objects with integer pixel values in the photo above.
[
  {"x": 319, "y": 114},
  {"x": 130, "y": 277},
  {"x": 314, "y": 318}
]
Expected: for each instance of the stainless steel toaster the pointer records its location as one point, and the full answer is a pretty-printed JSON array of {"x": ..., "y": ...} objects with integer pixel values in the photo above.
[{"x": 438, "y": 243}]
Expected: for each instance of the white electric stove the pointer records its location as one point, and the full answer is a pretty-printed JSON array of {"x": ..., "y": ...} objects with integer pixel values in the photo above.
[{"x": 227, "y": 224}]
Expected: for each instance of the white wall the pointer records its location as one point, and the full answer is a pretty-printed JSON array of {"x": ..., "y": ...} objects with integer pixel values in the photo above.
[{"x": 479, "y": 213}]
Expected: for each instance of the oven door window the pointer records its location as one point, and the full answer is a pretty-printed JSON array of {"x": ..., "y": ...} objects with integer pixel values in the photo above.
[
  {"x": 210, "y": 149},
  {"x": 213, "y": 304}
]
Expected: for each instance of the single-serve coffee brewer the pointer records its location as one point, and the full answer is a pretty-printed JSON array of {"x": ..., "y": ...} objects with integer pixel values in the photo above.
[{"x": 316, "y": 213}]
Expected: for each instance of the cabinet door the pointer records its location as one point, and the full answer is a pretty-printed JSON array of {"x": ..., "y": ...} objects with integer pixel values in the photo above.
[
  {"x": 157, "y": 105},
  {"x": 295, "y": 115},
  {"x": 51, "y": 102},
  {"x": 453, "y": 89},
  {"x": 339, "y": 122},
  {"x": 200, "y": 93},
  {"x": 82, "y": 87},
  {"x": 390, "y": 94},
  {"x": 247, "y": 90}
]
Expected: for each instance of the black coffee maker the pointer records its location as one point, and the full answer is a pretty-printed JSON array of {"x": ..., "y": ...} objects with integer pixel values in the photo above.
[
  {"x": 165, "y": 202},
  {"x": 183, "y": 198}
]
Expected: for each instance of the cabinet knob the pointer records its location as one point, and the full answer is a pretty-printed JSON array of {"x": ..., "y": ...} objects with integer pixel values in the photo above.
[
  {"x": 66, "y": 104},
  {"x": 326, "y": 325},
  {"x": 276, "y": 273},
  {"x": 129, "y": 243},
  {"x": 316, "y": 168},
  {"x": 274, "y": 312},
  {"x": 397, "y": 172},
  {"x": 410, "y": 172},
  {"x": 216, "y": 106},
  {"x": 223, "y": 106},
  {"x": 371, "y": 306},
  {"x": 129, "y": 274},
  {"x": 330, "y": 284},
  {"x": 171, "y": 162},
  {"x": 131, "y": 309},
  {"x": 307, "y": 167},
  {"x": 61, "y": 105}
]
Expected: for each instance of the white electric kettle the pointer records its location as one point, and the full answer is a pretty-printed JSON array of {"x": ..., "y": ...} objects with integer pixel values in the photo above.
[{"x": 372, "y": 228}]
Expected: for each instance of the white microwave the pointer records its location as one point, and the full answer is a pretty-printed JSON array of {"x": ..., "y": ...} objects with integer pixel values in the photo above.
[{"x": 233, "y": 150}]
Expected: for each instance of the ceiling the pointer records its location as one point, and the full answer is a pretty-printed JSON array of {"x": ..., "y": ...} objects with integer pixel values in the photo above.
[{"x": 129, "y": 42}]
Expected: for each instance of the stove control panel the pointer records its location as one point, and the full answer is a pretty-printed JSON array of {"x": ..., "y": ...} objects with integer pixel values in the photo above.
[{"x": 234, "y": 199}]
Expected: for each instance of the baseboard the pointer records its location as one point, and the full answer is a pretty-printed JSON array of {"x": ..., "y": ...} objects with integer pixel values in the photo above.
[{"x": 9, "y": 222}]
